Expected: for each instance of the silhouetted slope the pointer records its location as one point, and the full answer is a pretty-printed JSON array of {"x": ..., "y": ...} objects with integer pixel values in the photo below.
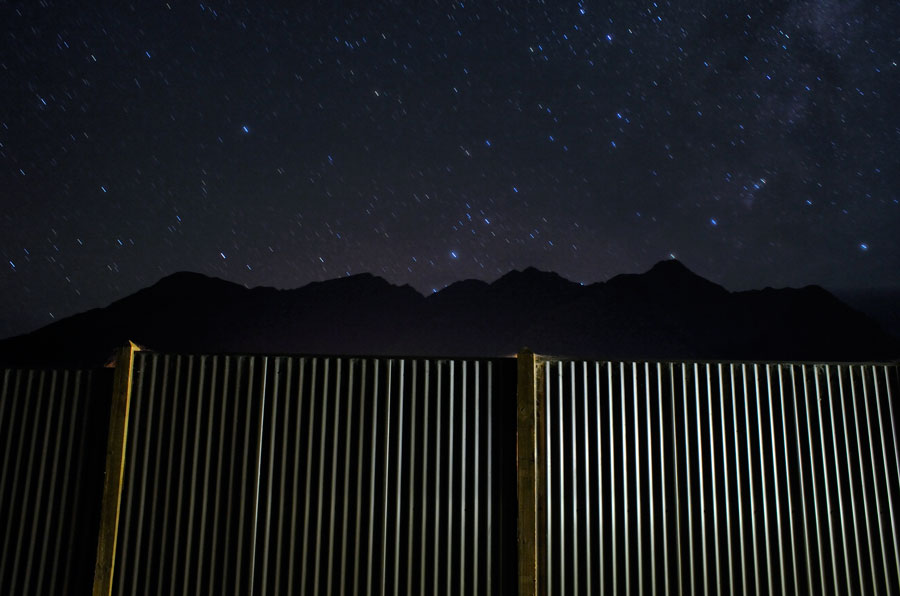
[
  {"x": 881, "y": 304},
  {"x": 667, "y": 312}
]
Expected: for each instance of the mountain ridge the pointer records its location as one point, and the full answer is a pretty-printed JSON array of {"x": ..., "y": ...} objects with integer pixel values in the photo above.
[{"x": 667, "y": 312}]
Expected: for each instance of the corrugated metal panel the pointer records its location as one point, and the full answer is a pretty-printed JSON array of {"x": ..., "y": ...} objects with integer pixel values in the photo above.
[
  {"x": 52, "y": 432},
  {"x": 720, "y": 477},
  {"x": 317, "y": 475}
]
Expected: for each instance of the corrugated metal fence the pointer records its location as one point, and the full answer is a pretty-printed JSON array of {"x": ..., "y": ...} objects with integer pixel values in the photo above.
[
  {"x": 317, "y": 475},
  {"x": 333, "y": 475},
  {"x": 716, "y": 477},
  {"x": 52, "y": 436}
]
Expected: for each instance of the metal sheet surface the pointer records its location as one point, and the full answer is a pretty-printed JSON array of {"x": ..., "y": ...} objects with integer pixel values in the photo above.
[
  {"x": 695, "y": 477},
  {"x": 318, "y": 475},
  {"x": 53, "y": 438}
]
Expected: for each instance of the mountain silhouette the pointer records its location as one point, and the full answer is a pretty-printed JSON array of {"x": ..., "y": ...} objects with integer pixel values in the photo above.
[{"x": 668, "y": 312}]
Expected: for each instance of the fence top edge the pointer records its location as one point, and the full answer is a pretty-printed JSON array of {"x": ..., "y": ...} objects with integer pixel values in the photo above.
[{"x": 550, "y": 359}]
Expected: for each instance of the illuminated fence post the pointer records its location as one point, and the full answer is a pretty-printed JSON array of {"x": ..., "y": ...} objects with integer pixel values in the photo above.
[
  {"x": 530, "y": 475},
  {"x": 115, "y": 464}
]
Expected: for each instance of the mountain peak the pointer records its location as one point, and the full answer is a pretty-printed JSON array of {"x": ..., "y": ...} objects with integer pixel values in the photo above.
[
  {"x": 531, "y": 275},
  {"x": 673, "y": 273},
  {"x": 670, "y": 265},
  {"x": 186, "y": 283}
]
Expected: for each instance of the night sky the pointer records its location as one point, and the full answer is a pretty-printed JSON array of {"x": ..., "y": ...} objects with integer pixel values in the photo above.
[{"x": 428, "y": 142}]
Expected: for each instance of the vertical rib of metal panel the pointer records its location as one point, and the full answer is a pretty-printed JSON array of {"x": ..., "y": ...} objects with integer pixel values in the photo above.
[
  {"x": 715, "y": 492},
  {"x": 463, "y": 500},
  {"x": 787, "y": 475},
  {"x": 562, "y": 479},
  {"x": 786, "y": 452},
  {"x": 489, "y": 502},
  {"x": 397, "y": 499},
  {"x": 437, "y": 475},
  {"x": 286, "y": 419},
  {"x": 180, "y": 481},
  {"x": 548, "y": 468},
  {"x": 601, "y": 534},
  {"x": 270, "y": 451},
  {"x": 637, "y": 477},
  {"x": 451, "y": 450},
  {"x": 626, "y": 505},
  {"x": 359, "y": 481},
  {"x": 219, "y": 471},
  {"x": 612, "y": 483},
  {"x": 319, "y": 484},
  {"x": 700, "y": 474},
  {"x": 687, "y": 458},
  {"x": 346, "y": 498},
  {"x": 587, "y": 472},
  {"x": 334, "y": 475},
  {"x": 307, "y": 491},
  {"x": 372, "y": 462},
  {"x": 650, "y": 474},
  {"x": 574, "y": 473},
  {"x": 771, "y": 398},
  {"x": 193, "y": 486},
  {"x": 673, "y": 413},
  {"x": 738, "y": 478},
  {"x": 477, "y": 460},
  {"x": 802, "y": 482},
  {"x": 423, "y": 503},
  {"x": 662, "y": 468},
  {"x": 762, "y": 476},
  {"x": 722, "y": 402},
  {"x": 411, "y": 487}
]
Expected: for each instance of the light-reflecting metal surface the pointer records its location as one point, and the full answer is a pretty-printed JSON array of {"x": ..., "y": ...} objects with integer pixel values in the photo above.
[
  {"x": 276, "y": 475},
  {"x": 785, "y": 474},
  {"x": 53, "y": 426}
]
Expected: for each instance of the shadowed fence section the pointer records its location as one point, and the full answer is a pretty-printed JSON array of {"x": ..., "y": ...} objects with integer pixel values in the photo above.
[
  {"x": 52, "y": 437},
  {"x": 717, "y": 478},
  {"x": 317, "y": 475}
]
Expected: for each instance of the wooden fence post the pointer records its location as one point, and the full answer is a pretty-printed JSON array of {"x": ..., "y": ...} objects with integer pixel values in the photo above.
[
  {"x": 115, "y": 466},
  {"x": 529, "y": 473}
]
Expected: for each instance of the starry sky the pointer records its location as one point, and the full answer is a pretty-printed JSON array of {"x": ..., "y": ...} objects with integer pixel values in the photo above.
[{"x": 274, "y": 143}]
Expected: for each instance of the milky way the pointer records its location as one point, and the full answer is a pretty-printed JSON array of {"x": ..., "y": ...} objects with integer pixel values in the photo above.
[{"x": 429, "y": 142}]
